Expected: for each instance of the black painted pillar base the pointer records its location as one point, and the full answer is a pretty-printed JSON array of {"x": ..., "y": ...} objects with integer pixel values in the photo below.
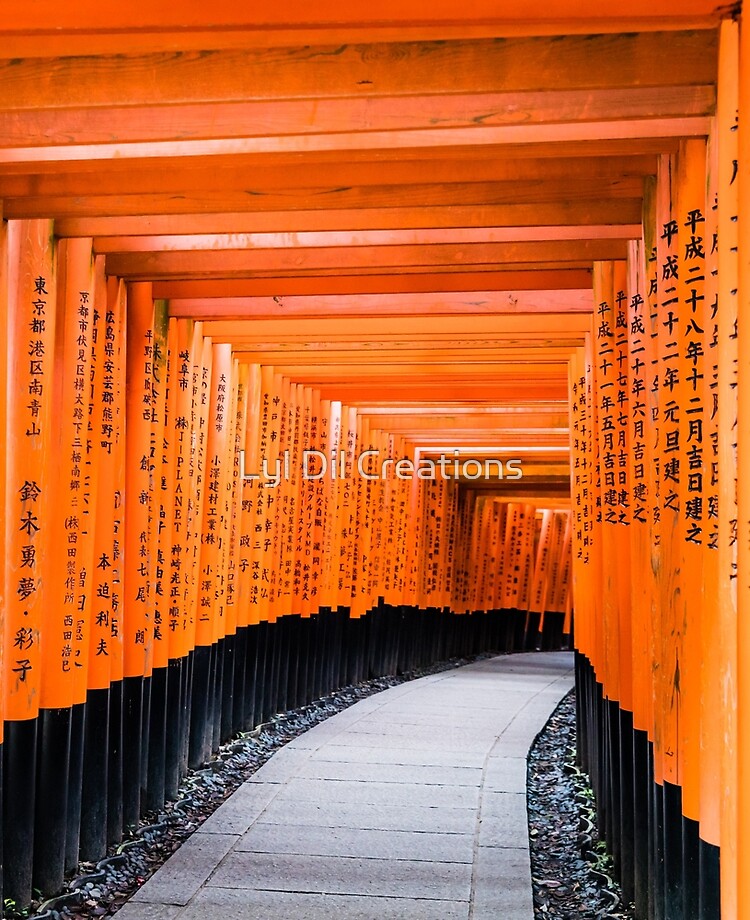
[
  {"x": 51, "y": 812},
  {"x": 174, "y": 728},
  {"x": 709, "y": 901},
  {"x": 199, "y": 710},
  {"x": 19, "y": 798},
  {"x": 157, "y": 741},
  {"x": 132, "y": 747},
  {"x": 115, "y": 792},
  {"x": 75, "y": 786},
  {"x": 93, "y": 843}
]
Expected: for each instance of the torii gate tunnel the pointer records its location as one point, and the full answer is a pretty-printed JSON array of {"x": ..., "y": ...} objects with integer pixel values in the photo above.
[{"x": 341, "y": 341}]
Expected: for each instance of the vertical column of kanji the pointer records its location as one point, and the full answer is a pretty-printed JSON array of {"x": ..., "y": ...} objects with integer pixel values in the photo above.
[
  {"x": 694, "y": 448},
  {"x": 728, "y": 294},
  {"x": 593, "y": 541},
  {"x": 641, "y": 378},
  {"x": 137, "y": 619},
  {"x": 285, "y": 540},
  {"x": 291, "y": 609},
  {"x": 374, "y": 588},
  {"x": 649, "y": 756},
  {"x": 538, "y": 596},
  {"x": 564, "y": 578},
  {"x": 228, "y": 622},
  {"x": 353, "y": 505},
  {"x": 510, "y": 593},
  {"x": 313, "y": 547},
  {"x": 30, "y": 463},
  {"x": 623, "y": 422},
  {"x": 180, "y": 429},
  {"x": 333, "y": 543},
  {"x": 669, "y": 694},
  {"x": 274, "y": 495},
  {"x": 709, "y": 690},
  {"x": 621, "y": 709},
  {"x": 204, "y": 661},
  {"x": 103, "y": 439},
  {"x": 605, "y": 379},
  {"x": 261, "y": 541},
  {"x": 158, "y": 651},
  {"x": 345, "y": 517},
  {"x": 529, "y": 535},
  {"x": 451, "y": 560},
  {"x": 578, "y": 459},
  {"x": 652, "y": 372},
  {"x": 743, "y": 485},
  {"x": 115, "y": 350},
  {"x": 369, "y": 486},
  {"x": 298, "y": 626},
  {"x": 96, "y": 550},
  {"x": 368, "y": 587},
  {"x": 236, "y": 617},
  {"x": 248, "y": 399},
  {"x": 358, "y": 528},
  {"x": 207, "y": 627},
  {"x": 222, "y": 635},
  {"x": 312, "y": 505},
  {"x": 90, "y": 328},
  {"x": 63, "y": 626},
  {"x": 166, "y": 588}
]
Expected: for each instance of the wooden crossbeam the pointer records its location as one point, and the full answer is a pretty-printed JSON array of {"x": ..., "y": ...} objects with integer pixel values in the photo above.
[
  {"x": 542, "y": 213},
  {"x": 235, "y": 263},
  {"x": 558, "y": 297},
  {"x": 397, "y": 68}
]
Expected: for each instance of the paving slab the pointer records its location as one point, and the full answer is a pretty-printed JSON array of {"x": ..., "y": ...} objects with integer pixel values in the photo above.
[
  {"x": 402, "y": 878},
  {"x": 348, "y": 841},
  {"x": 409, "y": 805},
  {"x": 252, "y": 904}
]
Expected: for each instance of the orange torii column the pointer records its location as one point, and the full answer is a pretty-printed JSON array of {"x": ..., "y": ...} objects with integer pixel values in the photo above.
[
  {"x": 708, "y": 692},
  {"x": 694, "y": 450},
  {"x": 64, "y": 652},
  {"x": 180, "y": 476},
  {"x": 643, "y": 546},
  {"x": 102, "y": 771},
  {"x": 228, "y": 619},
  {"x": 743, "y": 483},
  {"x": 31, "y": 303},
  {"x": 4, "y": 390},
  {"x": 728, "y": 180},
  {"x": 160, "y": 544},
  {"x": 165, "y": 585},
  {"x": 137, "y": 619},
  {"x": 200, "y": 702},
  {"x": 237, "y": 613},
  {"x": 208, "y": 649},
  {"x": 115, "y": 351}
]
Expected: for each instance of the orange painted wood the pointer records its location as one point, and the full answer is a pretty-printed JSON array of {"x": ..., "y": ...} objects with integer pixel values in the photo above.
[
  {"x": 65, "y": 654},
  {"x": 322, "y": 172},
  {"x": 584, "y": 211},
  {"x": 236, "y": 199},
  {"x": 729, "y": 305},
  {"x": 31, "y": 292},
  {"x": 533, "y": 63},
  {"x": 308, "y": 117},
  {"x": 161, "y": 532},
  {"x": 137, "y": 615}
]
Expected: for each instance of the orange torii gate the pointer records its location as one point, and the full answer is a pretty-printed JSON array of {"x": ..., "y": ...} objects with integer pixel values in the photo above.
[{"x": 236, "y": 257}]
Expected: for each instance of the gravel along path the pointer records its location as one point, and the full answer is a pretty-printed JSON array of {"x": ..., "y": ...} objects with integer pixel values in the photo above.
[{"x": 571, "y": 869}]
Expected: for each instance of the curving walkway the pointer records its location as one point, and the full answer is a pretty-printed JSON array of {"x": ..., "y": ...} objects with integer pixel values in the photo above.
[{"x": 410, "y": 805}]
